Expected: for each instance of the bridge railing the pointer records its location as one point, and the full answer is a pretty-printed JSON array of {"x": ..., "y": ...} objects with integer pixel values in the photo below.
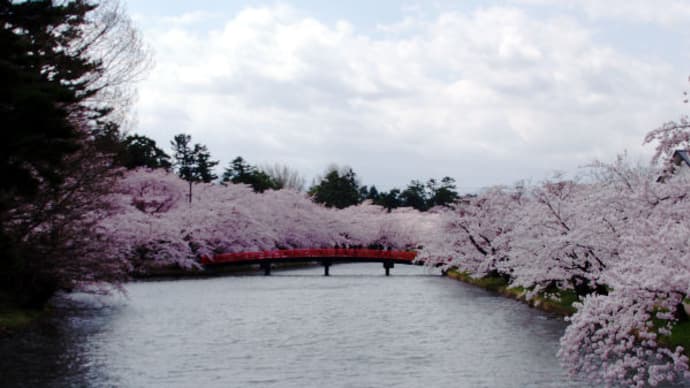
[{"x": 259, "y": 256}]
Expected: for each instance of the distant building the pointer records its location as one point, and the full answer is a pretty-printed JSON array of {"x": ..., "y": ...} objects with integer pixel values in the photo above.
[
  {"x": 680, "y": 166},
  {"x": 681, "y": 161}
]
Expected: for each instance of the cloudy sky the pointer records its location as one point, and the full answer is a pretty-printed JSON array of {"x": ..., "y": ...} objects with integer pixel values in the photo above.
[{"x": 488, "y": 92}]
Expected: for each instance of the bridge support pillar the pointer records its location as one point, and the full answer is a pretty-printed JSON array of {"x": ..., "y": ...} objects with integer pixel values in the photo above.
[
  {"x": 387, "y": 265},
  {"x": 267, "y": 268},
  {"x": 326, "y": 268}
]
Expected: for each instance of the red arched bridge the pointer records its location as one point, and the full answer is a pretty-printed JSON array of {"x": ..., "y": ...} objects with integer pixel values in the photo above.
[{"x": 326, "y": 257}]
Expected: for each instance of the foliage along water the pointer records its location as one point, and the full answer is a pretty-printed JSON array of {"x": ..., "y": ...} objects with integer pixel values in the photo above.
[{"x": 356, "y": 328}]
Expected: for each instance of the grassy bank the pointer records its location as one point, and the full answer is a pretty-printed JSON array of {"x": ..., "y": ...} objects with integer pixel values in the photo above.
[
  {"x": 14, "y": 317},
  {"x": 560, "y": 302},
  {"x": 680, "y": 334}
]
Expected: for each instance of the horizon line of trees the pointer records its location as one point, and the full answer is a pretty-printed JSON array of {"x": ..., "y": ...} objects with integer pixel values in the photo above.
[{"x": 339, "y": 187}]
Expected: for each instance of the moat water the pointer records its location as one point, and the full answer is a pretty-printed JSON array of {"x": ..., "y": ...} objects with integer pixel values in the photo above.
[{"x": 296, "y": 328}]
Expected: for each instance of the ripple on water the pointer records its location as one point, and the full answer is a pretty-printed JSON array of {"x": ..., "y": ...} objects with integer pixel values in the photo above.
[{"x": 356, "y": 328}]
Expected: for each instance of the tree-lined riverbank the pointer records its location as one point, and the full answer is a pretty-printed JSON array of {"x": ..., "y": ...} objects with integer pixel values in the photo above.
[
  {"x": 560, "y": 302},
  {"x": 85, "y": 208}
]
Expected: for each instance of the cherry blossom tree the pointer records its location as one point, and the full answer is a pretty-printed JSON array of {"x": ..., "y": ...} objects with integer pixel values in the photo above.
[
  {"x": 618, "y": 338},
  {"x": 475, "y": 236},
  {"x": 155, "y": 225},
  {"x": 618, "y": 237},
  {"x": 564, "y": 240}
]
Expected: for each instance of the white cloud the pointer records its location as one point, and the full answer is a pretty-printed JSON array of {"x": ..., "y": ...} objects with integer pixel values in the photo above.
[
  {"x": 493, "y": 95},
  {"x": 663, "y": 12}
]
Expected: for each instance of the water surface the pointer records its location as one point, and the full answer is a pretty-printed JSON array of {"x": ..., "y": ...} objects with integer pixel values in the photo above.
[{"x": 356, "y": 328}]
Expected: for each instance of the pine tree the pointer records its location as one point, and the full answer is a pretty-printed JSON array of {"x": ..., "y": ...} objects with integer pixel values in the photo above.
[
  {"x": 141, "y": 151},
  {"x": 38, "y": 74},
  {"x": 203, "y": 168},
  {"x": 338, "y": 188},
  {"x": 54, "y": 114},
  {"x": 192, "y": 163},
  {"x": 239, "y": 171}
]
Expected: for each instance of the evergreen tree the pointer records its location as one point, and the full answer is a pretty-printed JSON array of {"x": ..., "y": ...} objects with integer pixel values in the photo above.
[
  {"x": 183, "y": 156},
  {"x": 239, "y": 171},
  {"x": 338, "y": 189},
  {"x": 444, "y": 194},
  {"x": 192, "y": 163},
  {"x": 57, "y": 123},
  {"x": 141, "y": 151},
  {"x": 203, "y": 168},
  {"x": 415, "y": 196},
  {"x": 389, "y": 200},
  {"x": 38, "y": 75}
]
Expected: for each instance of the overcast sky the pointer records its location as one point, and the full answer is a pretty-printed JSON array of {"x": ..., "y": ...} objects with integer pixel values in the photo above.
[{"x": 488, "y": 92}]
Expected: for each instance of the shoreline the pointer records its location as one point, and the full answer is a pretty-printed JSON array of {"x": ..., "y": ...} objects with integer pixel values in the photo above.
[
  {"x": 680, "y": 333},
  {"x": 562, "y": 308},
  {"x": 15, "y": 319},
  {"x": 175, "y": 272}
]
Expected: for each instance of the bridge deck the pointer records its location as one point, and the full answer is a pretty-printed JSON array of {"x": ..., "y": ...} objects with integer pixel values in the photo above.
[{"x": 319, "y": 254}]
